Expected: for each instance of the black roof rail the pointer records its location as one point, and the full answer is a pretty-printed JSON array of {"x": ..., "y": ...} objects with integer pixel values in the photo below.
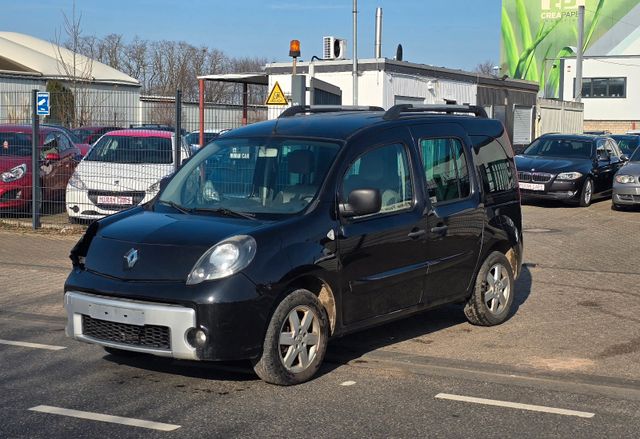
[
  {"x": 397, "y": 110},
  {"x": 300, "y": 109}
]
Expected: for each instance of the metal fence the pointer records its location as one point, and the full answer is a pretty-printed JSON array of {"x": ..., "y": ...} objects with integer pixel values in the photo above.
[{"x": 96, "y": 153}]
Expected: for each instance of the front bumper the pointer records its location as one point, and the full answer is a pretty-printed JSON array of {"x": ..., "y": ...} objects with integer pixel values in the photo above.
[
  {"x": 14, "y": 195},
  {"x": 233, "y": 312},
  {"x": 561, "y": 190},
  {"x": 627, "y": 194},
  {"x": 80, "y": 206},
  {"x": 127, "y": 320}
]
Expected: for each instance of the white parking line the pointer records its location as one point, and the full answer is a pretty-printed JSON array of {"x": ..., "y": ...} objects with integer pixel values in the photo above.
[
  {"x": 515, "y": 405},
  {"x": 32, "y": 345},
  {"x": 105, "y": 418}
]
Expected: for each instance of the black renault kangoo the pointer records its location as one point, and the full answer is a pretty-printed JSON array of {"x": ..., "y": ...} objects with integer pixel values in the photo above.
[{"x": 283, "y": 234}]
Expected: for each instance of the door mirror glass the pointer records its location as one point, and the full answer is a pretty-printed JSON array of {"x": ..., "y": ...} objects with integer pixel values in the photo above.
[{"x": 361, "y": 202}]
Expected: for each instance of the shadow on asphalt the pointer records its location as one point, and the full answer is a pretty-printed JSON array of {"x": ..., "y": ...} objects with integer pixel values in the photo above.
[
  {"x": 340, "y": 351},
  {"x": 554, "y": 204},
  {"x": 415, "y": 328}
]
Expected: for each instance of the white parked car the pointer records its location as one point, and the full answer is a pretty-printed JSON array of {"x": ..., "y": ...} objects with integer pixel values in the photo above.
[{"x": 123, "y": 169}]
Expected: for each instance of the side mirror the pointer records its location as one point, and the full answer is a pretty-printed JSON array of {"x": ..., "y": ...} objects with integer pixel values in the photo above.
[
  {"x": 52, "y": 156},
  {"x": 624, "y": 158},
  {"x": 361, "y": 202}
]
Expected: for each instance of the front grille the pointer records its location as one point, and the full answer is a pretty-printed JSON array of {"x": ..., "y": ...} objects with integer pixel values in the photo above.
[
  {"x": 148, "y": 336},
  {"x": 541, "y": 177},
  {"x": 629, "y": 197},
  {"x": 537, "y": 177},
  {"x": 136, "y": 196}
]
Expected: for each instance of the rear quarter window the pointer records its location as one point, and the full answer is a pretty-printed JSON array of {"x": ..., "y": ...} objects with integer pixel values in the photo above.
[{"x": 494, "y": 161}]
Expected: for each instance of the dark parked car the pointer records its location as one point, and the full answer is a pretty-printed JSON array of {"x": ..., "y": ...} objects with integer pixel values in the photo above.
[
  {"x": 570, "y": 168},
  {"x": 282, "y": 234},
  {"x": 73, "y": 138},
  {"x": 626, "y": 183},
  {"x": 90, "y": 134},
  {"x": 58, "y": 159},
  {"x": 627, "y": 143}
]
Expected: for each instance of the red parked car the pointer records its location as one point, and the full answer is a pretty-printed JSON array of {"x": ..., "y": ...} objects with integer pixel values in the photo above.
[{"x": 58, "y": 159}]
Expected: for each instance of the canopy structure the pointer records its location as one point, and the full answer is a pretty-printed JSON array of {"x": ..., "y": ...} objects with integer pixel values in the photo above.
[
  {"x": 258, "y": 78},
  {"x": 27, "y": 55}
]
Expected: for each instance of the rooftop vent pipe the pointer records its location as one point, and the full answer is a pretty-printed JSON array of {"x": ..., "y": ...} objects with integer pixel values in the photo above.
[{"x": 378, "y": 46}]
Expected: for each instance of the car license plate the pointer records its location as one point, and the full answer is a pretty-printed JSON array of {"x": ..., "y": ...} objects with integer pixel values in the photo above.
[
  {"x": 532, "y": 186},
  {"x": 115, "y": 200},
  {"x": 115, "y": 314}
]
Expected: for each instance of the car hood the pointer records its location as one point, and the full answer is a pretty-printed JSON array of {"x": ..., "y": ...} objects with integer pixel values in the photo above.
[
  {"x": 8, "y": 162},
  {"x": 631, "y": 168},
  {"x": 120, "y": 176},
  {"x": 167, "y": 245},
  {"x": 552, "y": 165}
]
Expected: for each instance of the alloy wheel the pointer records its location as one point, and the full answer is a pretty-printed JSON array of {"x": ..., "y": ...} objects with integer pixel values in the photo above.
[
  {"x": 299, "y": 339},
  {"x": 496, "y": 297}
]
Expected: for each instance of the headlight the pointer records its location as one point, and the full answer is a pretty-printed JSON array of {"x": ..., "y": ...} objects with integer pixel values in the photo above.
[
  {"x": 568, "y": 176},
  {"x": 223, "y": 259},
  {"x": 14, "y": 174},
  {"x": 77, "y": 183},
  {"x": 626, "y": 179}
]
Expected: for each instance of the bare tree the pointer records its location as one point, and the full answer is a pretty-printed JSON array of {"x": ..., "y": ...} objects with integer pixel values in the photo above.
[
  {"x": 486, "y": 68},
  {"x": 75, "y": 68}
]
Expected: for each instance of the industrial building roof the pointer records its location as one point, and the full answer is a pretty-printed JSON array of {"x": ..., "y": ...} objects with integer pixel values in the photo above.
[{"x": 27, "y": 55}]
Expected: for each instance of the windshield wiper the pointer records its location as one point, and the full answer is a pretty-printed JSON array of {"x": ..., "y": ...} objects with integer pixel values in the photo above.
[
  {"x": 226, "y": 212},
  {"x": 176, "y": 206}
]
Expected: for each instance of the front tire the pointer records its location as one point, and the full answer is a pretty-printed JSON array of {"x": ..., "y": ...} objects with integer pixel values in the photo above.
[
  {"x": 492, "y": 298},
  {"x": 586, "y": 194},
  {"x": 295, "y": 342}
]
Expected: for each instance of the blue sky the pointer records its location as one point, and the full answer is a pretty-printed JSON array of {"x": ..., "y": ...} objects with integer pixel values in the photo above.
[{"x": 450, "y": 33}]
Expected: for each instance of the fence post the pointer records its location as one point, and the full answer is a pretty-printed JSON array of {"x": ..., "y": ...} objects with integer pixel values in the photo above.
[
  {"x": 178, "y": 129},
  {"x": 35, "y": 165}
]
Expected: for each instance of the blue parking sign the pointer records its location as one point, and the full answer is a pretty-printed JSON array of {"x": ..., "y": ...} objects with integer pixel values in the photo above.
[{"x": 42, "y": 101}]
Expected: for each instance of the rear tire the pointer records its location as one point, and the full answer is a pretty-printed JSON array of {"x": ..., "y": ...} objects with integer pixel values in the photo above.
[
  {"x": 492, "y": 298},
  {"x": 586, "y": 194},
  {"x": 295, "y": 342}
]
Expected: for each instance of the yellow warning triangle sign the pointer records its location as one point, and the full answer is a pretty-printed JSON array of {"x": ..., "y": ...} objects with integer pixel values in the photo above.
[{"x": 277, "y": 97}]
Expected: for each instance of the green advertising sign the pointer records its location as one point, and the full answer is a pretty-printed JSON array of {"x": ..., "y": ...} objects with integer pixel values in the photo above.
[{"x": 536, "y": 34}]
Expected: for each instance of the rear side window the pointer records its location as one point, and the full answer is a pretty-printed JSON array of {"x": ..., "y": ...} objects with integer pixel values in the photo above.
[
  {"x": 494, "y": 166},
  {"x": 445, "y": 167}
]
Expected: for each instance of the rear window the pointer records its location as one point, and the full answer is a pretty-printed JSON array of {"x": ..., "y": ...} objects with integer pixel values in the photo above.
[{"x": 132, "y": 149}]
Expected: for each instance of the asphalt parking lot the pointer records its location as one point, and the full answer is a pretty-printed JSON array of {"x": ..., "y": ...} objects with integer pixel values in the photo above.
[{"x": 573, "y": 343}]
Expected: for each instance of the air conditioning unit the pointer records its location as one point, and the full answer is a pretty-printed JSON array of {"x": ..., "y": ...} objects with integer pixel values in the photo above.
[{"x": 334, "y": 48}]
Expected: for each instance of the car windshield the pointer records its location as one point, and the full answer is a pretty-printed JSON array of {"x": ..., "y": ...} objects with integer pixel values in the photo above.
[
  {"x": 15, "y": 144},
  {"x": 132, "y": 149},
  {"x": 566, "y": 148},
  {"x": 635, "y": 157},
  {"x": 251, "y": 176},
  {"x": 627, "y": 144}
]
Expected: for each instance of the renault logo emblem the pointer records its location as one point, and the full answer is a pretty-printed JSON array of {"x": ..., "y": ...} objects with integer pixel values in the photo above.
[{"x": 130, "y": 258}]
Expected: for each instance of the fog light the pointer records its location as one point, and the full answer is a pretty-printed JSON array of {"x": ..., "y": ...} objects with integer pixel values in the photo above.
[
  {"x": 197, "y": 337},
  {"x": 201, "y": 337},
  {"x": 75, "y": 209}
]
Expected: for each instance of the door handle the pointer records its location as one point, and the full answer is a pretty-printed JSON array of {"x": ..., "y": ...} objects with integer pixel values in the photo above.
[
  {"x": 417, "y": 233},
  {"x": 440, "y": 230}
]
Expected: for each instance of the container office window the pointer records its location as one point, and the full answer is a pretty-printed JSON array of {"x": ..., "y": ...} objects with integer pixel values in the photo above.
[{"x": 604, "y": 87}]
